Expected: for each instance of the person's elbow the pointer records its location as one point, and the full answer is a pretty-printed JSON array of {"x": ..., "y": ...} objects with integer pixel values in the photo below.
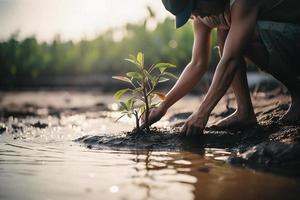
[
  {"x": 231, "y": 61},
  {"x": 198, "y": 65}
]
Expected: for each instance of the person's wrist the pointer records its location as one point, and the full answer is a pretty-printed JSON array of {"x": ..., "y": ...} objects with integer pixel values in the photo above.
[
  {"x": 203, "y": 111},
  {"x": 164, "y": 106}
]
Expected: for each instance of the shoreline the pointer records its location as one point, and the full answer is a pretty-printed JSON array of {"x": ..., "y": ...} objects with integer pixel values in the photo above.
[{"x": 105, "y": 83}]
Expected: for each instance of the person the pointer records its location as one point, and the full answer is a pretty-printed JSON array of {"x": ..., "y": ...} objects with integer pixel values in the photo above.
[{"x": 267, "y": 32}]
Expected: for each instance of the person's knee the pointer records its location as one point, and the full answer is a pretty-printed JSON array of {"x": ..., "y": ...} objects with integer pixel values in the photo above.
[
  {"x": 257, "y": 53},
  {"x": 221, "y": 38}
]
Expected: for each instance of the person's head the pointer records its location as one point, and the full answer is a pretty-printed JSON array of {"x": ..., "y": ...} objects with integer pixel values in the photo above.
[
  {"x": 204, "y": 8},
  {"x": 183, "y": 9}
]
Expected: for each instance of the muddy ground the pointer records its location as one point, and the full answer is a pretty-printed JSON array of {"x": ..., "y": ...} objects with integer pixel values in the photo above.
[{"x": 269, "y": 146}]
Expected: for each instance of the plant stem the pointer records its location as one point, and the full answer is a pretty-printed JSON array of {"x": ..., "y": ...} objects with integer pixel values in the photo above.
[
  {"x": 137, "y": 121},
  {"x": 147, "y": 107}
]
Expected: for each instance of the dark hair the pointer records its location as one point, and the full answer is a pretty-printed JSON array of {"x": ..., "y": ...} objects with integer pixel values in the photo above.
[
  {"x": 208, "y": 7},
  {"x": 221, "y": 1},
  {"x": 212, "y": 0}
]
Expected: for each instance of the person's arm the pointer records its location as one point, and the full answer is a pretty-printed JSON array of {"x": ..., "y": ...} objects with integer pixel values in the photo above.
[
  {"x": 196, "y": 67},
  {"x": 192, "y": 72},
  {"x": 243, "y": 19}
]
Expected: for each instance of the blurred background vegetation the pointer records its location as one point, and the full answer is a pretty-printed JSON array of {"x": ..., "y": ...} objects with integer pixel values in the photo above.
[{"x": 30, "y": 59}]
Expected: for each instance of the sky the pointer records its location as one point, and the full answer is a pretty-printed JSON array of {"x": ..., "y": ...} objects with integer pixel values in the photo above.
[{"x": 71, "y": 19}]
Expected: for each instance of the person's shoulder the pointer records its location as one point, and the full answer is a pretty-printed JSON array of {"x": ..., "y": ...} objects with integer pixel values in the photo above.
[
  {"x": 248, "y": 3},
  {"x": 246, "y": 6}
]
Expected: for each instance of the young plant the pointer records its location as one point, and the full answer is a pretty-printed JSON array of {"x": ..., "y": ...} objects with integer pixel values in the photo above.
[{"x": 143, "y": 89}]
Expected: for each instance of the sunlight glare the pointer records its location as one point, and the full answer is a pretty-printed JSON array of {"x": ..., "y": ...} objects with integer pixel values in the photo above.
[
  {"x": 115, "y": 106},
  {"x": 75, "y": 19},
  {"x": 114, "y": 189}
]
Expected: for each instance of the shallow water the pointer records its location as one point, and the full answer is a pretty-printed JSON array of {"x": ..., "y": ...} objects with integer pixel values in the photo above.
[
  {"x": 48, "y": 164},
  {"x": 54, "y": 158}
]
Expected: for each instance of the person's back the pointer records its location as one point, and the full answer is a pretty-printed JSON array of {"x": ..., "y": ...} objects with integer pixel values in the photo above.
[
  {"x": 270, "y": 10},
  {"x": 280, "y": 11}
]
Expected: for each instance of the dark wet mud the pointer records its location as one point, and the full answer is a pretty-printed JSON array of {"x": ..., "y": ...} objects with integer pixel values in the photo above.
[
  {"x": 160, "y": 140},
  {"x": 255, "y": 148}
]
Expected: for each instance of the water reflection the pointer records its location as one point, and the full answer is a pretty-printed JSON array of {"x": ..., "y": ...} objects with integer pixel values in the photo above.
[
  {"x": 43, "y": 169},
  {"x": 47, "y": 164},
  {"x": 159, "y": 175},
  {"x": 192, "y": 175}
]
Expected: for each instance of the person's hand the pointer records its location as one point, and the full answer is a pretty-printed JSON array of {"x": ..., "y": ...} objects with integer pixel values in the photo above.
[
  {"x": 194, "y": 125},
  {"x": 155, "y": 115}
]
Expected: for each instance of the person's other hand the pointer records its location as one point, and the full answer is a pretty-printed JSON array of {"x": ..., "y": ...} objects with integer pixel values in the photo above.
[{"x": 194, "y": 125}]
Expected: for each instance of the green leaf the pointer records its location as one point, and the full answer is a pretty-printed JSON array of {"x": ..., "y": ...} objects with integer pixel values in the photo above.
[
  {"x": 139, "y": 83},
  {"x": 170, "y": 75},
  {"x": 120, "y": 117},
  {"x": 122, "y": 78},
  {"x": 129, "y": 103},
  {"x": 120, "y": 93},
  {"x": 148, "y": 76},
  {"x": 134, "y": 60},
  {"x": 142, "y": 110},
  {"x": 123, "y": 106},
  {"x": 137, "y": 93},
  {"x": 132, "y": 57},
  {"x": 134, "y": 75},
  {"x": 154, "y": 82},
  {"x": 163, "y": 66},
  {"x": 140, "y": 59},
  {"x": 130, "y": 60},
  {"x": 136, "y": 90},
  {"x": 163, "y": 79}
]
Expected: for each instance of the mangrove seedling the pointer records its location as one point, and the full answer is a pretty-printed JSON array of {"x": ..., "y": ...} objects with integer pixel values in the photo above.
[{"x": 142, "y": 90}]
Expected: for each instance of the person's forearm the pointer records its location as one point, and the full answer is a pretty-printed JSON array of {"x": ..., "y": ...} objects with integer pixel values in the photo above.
[
  {"x": 187, "y": 80},
  {"x": 222, "y": 79}
]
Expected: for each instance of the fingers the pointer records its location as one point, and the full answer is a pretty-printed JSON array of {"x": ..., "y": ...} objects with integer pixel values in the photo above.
[
  {"x": 177, "y": 124},
  {"x": 196, "y": 131},
  {"x": 189, "y": 130},
  {"x": 183, "y": 129},
  {"x": 150, "y": 122},
  {"x": 155, "y": 115},
  {"x": 143, "y": 122}
]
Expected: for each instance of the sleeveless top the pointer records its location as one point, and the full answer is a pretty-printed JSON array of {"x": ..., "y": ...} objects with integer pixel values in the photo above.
[{"x": 222, "y": 20}]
